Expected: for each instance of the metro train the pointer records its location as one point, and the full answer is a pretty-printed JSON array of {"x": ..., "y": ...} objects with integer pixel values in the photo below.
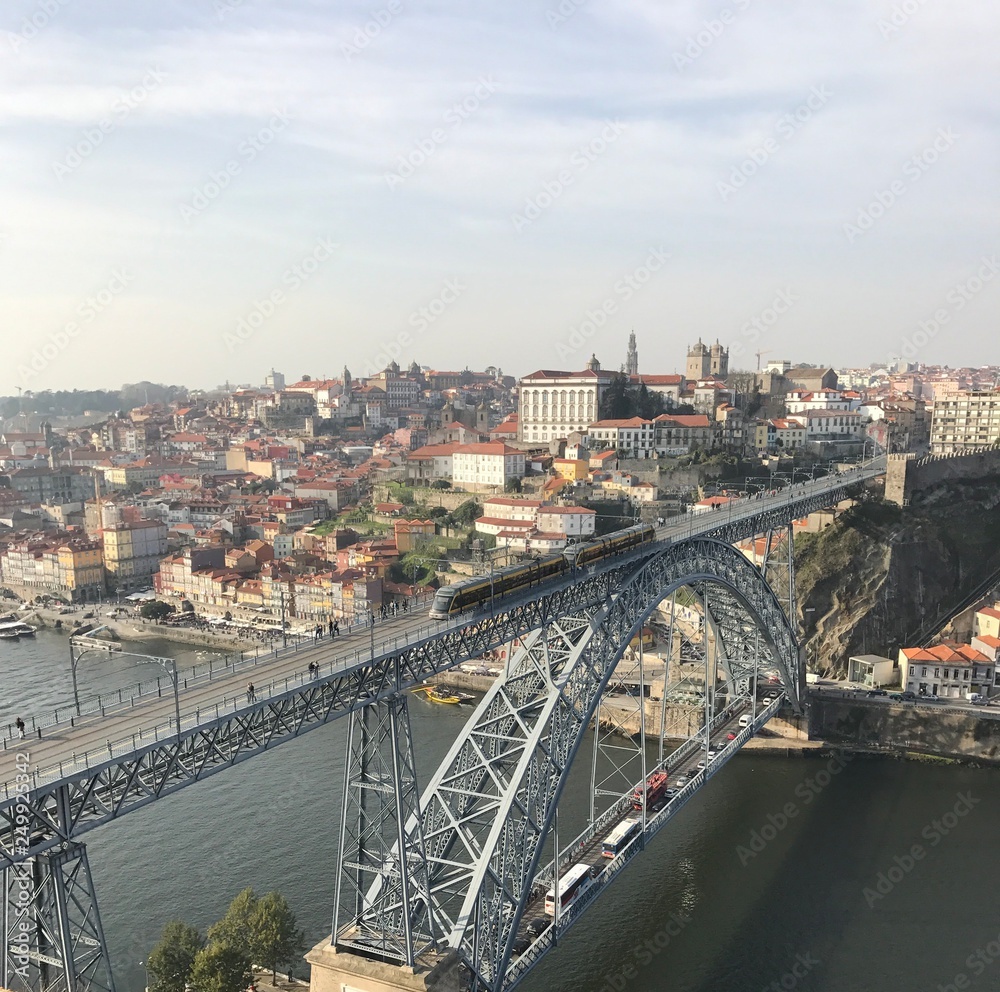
[{"x": 474, "y": 592}]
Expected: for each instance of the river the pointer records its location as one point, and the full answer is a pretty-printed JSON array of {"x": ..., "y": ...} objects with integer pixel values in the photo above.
[{"x": 782, "y": 873}]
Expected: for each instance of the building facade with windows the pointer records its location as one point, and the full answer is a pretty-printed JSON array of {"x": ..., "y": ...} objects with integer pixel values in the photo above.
[
  {"x": 965, "y": 421},
  {"x": 553, "y": 404}
]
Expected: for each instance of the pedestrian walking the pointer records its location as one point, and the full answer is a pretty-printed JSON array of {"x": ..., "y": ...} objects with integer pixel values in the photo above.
[
  {"x": 251, "y": 693},
  {"x": 330, "y": 627},
  {"x": 336, "y": 627},
  {"x": 19, "y": 723}
]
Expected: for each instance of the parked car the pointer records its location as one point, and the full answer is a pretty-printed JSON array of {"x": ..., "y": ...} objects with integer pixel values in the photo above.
[
  {"x": 908, "y": 697},
  {"x": 977, "y": 700}
]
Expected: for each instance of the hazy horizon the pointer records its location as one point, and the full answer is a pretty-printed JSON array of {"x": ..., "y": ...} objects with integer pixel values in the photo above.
[{"x": 199, "y": 192}]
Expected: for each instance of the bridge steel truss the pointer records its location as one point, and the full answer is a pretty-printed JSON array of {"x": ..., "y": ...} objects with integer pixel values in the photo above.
[
  {"x": 524, "y": 748},
  {"x": 489, "y": 810}
]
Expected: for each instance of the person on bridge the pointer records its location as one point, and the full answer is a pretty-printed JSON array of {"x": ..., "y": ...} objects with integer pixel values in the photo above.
[
  {"x": 251, "y": 693},
  {"x": 19, "y": 723},
  {"x": 336, "y": 627},
  {"x": 332, "y": 627}
]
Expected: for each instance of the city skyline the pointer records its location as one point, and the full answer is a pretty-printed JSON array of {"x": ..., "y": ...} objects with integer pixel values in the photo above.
[{"x": 208, "y": 191}]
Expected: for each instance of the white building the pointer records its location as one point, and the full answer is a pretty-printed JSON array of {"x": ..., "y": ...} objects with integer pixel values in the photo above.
[
  {"x": 964, "y": 421},
  {"x": 577, "y": 522},
  {"x": 632, "y": 438},
  {"x": 953, "y": 671},
  {"x": 553, "y": 404},
  {"x": 486, "y": 467}
]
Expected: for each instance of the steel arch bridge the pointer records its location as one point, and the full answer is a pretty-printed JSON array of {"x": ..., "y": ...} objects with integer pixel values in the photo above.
[
  {"x": 474, "y": 845},
  {"x": 415, "y": 872}
]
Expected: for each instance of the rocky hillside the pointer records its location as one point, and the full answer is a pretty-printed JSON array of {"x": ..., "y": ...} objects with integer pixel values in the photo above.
[{"x": 882, "y": 574}]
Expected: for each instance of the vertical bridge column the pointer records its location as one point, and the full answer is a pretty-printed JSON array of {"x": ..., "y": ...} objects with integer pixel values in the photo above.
[
  {"x": 382, "y": 885},
  {"x": 52, "y": 938}
]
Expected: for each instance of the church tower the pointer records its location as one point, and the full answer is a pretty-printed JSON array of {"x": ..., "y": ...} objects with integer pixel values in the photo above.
[
  {"x": 699, "y": 362},
  {"x": 719, "y": 360},
  {"x": 632, "y": 358}
]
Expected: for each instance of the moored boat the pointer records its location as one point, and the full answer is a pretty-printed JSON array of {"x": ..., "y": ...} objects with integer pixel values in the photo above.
[
  {"x": 443, "y": 694},
  {"x": 11, "y": 630}
]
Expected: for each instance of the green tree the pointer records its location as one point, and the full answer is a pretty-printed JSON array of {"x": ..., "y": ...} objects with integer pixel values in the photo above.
[
  {"x": 221, "y": 967},
  {"x": 466, "y": 514},
  {"x": 512, "y": 485},
  {"x": 277, "y": 940},
  {"x": 153, "y": 609},
  {"x": 236, "y": 927},
  {"x": 171, "y": 961},
  {"x": 441, "y": 484}
]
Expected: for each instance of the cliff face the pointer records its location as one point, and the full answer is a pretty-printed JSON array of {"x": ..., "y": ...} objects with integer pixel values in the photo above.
[{"x": 879, "y": 576}]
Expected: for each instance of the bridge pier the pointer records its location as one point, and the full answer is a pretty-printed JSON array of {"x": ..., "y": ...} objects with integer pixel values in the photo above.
[
  {"x": 52, "y": 939},
  {"x": 382, "y": 884},
  {"x": 334, "y": 970}
]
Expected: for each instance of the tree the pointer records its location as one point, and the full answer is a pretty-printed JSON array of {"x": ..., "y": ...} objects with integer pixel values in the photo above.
[
  {"x": 466, "y": 514},
  {"x": 276, "y": 938},
  {"x": 221, "y": 967},
  {"x": 171, "y": 961},
  {"x": 153, "y": 609},
  {"x": 512, "y": 485},
  {"x": 440, "y": 484},
  {"x": 236, "y": 927}
]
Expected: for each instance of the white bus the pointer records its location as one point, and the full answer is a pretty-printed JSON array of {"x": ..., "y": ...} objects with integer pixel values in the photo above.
[
  {"x": 572, "y": 885},
  {"x": 620, "y": 837}
]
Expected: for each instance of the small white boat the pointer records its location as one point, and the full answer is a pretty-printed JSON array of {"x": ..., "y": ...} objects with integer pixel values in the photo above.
[{"x": 12, "y": 630}]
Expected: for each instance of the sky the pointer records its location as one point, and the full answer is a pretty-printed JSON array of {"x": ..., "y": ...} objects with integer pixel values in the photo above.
[{"x": 197, "y": 192}]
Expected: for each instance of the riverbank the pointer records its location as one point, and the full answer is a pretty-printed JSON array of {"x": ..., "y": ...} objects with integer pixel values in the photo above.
[{"x": 136, "y": 629}]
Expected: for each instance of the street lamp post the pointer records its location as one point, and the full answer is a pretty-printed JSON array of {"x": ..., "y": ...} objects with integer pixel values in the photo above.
[
  {"x": 145, "y": 967},
  {"x": 169, "y": 665}
]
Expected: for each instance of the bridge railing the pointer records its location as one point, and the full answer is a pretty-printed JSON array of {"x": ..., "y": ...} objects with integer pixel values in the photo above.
[
  {"x": 148, "y": 737},
  {"x": 537, "y": 949},
  {"x": 117, "y": 701}
]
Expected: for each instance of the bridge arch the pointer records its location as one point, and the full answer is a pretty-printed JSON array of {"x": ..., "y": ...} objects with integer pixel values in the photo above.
[{"x": 489, "y": 809}]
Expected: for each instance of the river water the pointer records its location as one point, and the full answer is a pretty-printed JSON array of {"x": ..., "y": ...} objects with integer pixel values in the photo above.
[{"x": 781, "y": 873}]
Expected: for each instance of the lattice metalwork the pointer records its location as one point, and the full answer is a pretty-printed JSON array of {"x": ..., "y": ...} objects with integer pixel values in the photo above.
[
  {"x": 66, "y": 806},
  {"x": 380, "y": 797},
  {"x": 489, "y": 810},
  {"x": 52, "y": 935}
]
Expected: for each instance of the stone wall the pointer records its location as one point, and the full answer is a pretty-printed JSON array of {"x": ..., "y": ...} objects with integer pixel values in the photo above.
[
  {"x": 930, "y": 727},
  {"x": 907, "y": 475}
]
